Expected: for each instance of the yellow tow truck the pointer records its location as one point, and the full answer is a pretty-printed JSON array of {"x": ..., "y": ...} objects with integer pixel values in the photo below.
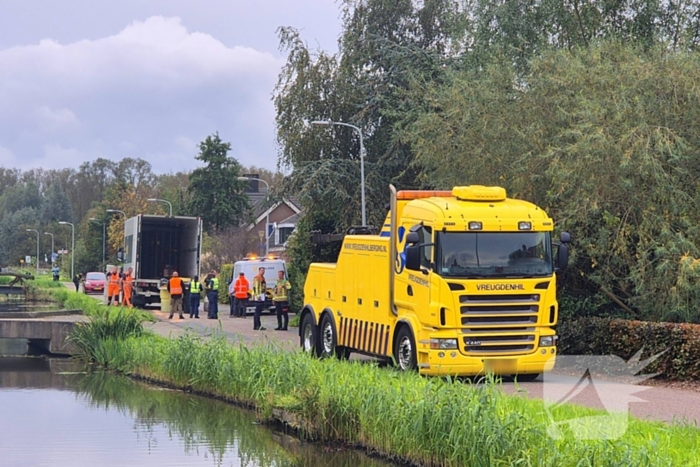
[{"x": 459, "y": 282}]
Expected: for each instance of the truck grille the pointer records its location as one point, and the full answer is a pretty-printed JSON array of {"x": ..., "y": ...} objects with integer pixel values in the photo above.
[{"x": 499, "y": 324}]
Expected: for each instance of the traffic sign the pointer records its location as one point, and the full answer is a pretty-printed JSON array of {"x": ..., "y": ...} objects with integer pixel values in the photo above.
[{"x": 62, "y": 252}]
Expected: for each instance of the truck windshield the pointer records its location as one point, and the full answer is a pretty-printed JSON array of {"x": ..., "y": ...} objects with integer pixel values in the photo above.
[{"x": 494, "y": 254}]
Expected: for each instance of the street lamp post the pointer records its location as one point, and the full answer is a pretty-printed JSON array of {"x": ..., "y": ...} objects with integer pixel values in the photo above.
[
  {"x": 362, "y": 159},
  {"x": 37, "y": 250},
  {"x": 52, "y": 250},
  {"x": 72, "y": 248},
  {"x": 117, "y": 210},
  {"x": 267, "y": 212},
  {"x": 103, "y": 237},
  {"x": 170, "y": 205}
]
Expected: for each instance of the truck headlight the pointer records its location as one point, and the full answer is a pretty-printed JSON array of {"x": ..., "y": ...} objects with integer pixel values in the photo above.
[
  {"x": 443, "y": 344},
  {"x": 548, "y": 341}
]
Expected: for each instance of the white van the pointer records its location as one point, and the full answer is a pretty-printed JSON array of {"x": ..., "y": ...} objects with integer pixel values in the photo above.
[{"x": 250, "y": 267}]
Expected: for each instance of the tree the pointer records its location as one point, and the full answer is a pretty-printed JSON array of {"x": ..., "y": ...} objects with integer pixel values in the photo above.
[
  {"x": 603, "y": 139},
  {"x": 89, "y": 184},
  {"x": 216, "y": 194},
  {"x": 134, "y": 172},
  {"x": 173, "y": 187},
  {"x": 56, "y": 206},
  {"x": 22, "y": 195},
  {"x": 15, "y": 241}
]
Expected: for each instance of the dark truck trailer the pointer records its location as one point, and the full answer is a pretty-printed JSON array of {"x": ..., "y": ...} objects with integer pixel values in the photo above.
[{"x": 155, "y": 246}]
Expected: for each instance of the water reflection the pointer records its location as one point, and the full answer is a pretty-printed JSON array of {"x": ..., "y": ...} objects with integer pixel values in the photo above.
[{"x": 123, "y": 422}]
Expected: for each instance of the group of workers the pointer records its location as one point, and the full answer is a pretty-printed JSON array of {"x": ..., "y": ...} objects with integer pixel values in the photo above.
[
  {"x": 120, "y": 284},
  {"x": 178, "y": 290},
  {"x": 240, "y": 297}
]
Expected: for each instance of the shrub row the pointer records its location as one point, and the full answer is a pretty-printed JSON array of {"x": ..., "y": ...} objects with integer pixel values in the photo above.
[{"x": 679, "y": 342}]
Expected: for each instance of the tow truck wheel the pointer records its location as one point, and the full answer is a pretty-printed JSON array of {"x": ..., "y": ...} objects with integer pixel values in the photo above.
[
  {"x": 308, "y": 335},
  {"x": 329, "y": 341},
  {"x": 523, "y": 377},
  {"x": 405, "y": 350},
  {"x": 343, "y": 353}
]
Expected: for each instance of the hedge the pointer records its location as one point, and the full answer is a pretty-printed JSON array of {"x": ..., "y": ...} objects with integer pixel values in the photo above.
[{"x": 679, "y": 342}]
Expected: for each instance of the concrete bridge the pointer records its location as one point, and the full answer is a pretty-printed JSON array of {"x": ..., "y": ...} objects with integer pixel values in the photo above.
[
  {"x": 48, "y": 334},
  {"x": 11, "y": 290}
]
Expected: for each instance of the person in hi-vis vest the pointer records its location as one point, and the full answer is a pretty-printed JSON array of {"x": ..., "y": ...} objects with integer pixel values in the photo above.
[
  {"x": 195, "y": 296},
  {"x": 280, "y": 297},
  {"x": 177, "y": 290},
  {"x": 212, "y": 286}
]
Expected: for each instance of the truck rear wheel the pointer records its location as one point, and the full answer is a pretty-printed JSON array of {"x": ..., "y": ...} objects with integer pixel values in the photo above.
[
  {"x": 405, "y": 350},
  {"x": 329, "y": 341},
  {"x": 523, "y": 377},
  {"x": 308, "y": 335}
]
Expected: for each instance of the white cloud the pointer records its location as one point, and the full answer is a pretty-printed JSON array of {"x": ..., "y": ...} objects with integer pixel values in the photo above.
[{"x": 154, "y": 89}]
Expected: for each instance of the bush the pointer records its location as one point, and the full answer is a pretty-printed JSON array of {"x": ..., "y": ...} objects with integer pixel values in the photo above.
[{"x": 605, "y": 336}]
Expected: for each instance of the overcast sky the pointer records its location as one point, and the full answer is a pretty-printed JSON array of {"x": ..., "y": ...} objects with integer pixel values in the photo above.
[{"x": 82, "y": 79}]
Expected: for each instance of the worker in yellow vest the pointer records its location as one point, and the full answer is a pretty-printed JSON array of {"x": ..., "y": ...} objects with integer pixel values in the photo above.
[
  {"x": 280, "y": 297},
  {"x": 259, "y": 289},
  {"x": 213, "y": 295},
  {"x": 176, "y": 289},
  {"x": 195, "y": 296}
]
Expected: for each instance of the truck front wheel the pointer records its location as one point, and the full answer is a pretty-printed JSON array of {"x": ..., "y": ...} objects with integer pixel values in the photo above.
[
  {"x": 308, "y": 335},
  {"x": 329, "y": 341},
  {"x": 405, "y": 350}
]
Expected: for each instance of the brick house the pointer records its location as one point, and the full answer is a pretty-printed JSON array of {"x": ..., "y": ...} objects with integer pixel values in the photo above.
[{"x": 284, "y": 215}]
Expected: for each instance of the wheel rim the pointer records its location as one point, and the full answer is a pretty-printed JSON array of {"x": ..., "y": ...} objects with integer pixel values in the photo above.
[
  {"x": 308, "y": 338},
  {"x": 405, "y": 354},
  {"x": 328, "y": 338}
]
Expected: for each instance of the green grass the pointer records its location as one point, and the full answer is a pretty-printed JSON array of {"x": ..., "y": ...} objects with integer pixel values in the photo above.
[{"x": 429, "y": 421}]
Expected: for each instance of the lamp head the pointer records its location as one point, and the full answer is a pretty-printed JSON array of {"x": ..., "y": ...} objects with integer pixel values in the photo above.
[{"x": 322, "y": 122}]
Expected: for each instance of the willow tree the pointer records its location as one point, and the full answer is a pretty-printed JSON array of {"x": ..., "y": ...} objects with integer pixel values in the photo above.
[{"x": 604, "y": 138}]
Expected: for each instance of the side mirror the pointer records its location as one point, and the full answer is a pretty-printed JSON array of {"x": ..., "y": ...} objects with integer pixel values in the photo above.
[
  {"x": 412, "y": 238},
  {"x": 413, "y": 257},
  {"x": 565, "y": 237},
  {"x": 562, "y": 257}
]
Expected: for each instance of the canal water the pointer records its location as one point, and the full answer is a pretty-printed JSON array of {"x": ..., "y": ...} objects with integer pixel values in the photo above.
[{"x": 53, "y": 414}]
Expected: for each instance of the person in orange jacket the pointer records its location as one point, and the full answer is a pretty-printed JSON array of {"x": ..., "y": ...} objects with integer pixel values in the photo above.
[
  {"x": 239, "y": 294},
  {"x": 177, "y": 290},
  {"x": 127, "y": 285},
  {"x": 113, "y": 286}
]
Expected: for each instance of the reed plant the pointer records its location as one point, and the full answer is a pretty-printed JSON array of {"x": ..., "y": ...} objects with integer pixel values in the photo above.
[
  {"x": 99, "y": 338},
  {"x": 424, "y": 421}
]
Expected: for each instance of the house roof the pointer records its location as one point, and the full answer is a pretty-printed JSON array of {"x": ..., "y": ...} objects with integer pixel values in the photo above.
[{"x": 293, "y": 219}]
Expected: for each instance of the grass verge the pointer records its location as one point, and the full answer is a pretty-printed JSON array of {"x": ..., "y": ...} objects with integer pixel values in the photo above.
[{"x": 424, "y": 421}]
